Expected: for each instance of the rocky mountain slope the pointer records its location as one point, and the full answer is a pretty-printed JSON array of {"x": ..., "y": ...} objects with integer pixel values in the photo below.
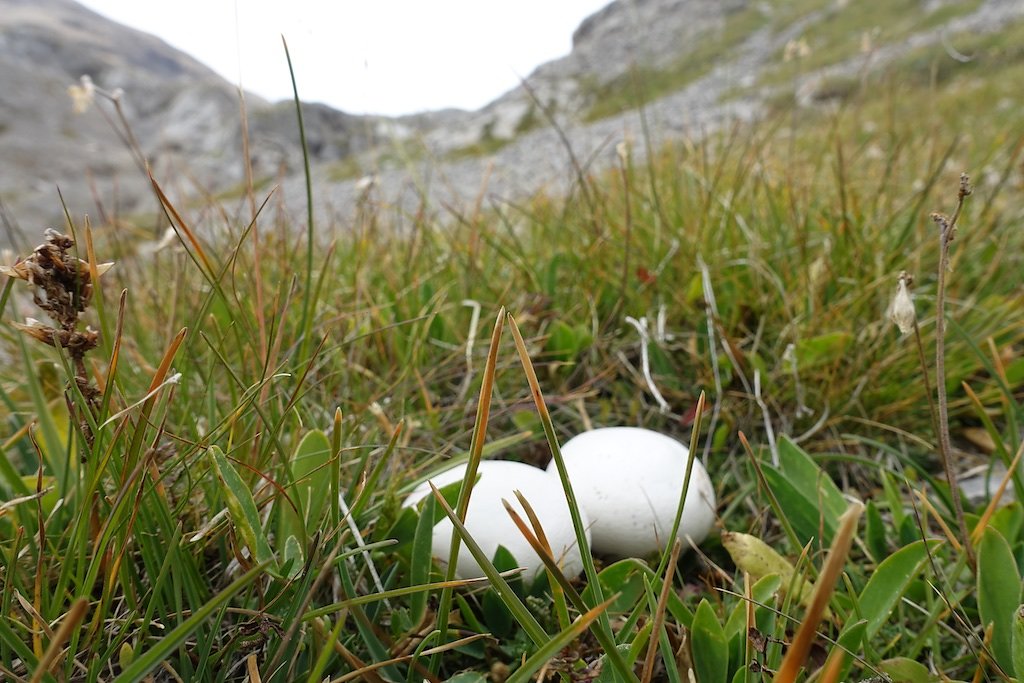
[
  {"x": 694, "y": 65},
  {"x": 184, "y": 116}
]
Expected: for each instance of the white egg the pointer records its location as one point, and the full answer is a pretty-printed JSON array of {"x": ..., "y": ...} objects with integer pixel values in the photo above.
[
  {"x": 490, "y": 524},
  {"x": 629, "y": 482}
]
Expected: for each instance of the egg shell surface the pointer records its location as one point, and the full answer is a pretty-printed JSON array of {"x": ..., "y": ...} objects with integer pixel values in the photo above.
[
  {"x": 490, "y": 524},
  {"x": 629, "y": 480}
]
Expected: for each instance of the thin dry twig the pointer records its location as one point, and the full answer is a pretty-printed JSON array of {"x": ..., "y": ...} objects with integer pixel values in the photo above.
[{"x": 947, "y": 232}]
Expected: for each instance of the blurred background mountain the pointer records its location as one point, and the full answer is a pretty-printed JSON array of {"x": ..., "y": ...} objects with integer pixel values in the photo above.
[{"x": 692, "y": 65}]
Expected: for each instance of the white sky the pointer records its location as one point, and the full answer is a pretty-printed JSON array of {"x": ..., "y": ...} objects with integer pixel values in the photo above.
[{"x": 369, "y": 56}]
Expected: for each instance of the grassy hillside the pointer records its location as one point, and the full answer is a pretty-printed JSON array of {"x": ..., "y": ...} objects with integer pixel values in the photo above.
[{"x": 169, "y": 490}]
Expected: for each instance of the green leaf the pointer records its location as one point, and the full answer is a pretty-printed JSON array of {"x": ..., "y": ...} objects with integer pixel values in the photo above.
[
  {"x": 422, "y": 559},
  {"x": 468, "y": 677},
  {"x": 888, "y": 583},
  {"x": 710, "y": 646},
  {"x": 1008, "y": 521},
  {"x": 874, "y": 533},
  {"x": 159, "y": 651},
  {"x": 802, "y": 512},
  {"x": 762, "y": 590},
  {"x": 403, "y": 529},
  {"x": 312, "y": 476},
  {"x": 905, "y": 670},
  {"x": 496, "y": 616},
  {"x": 849, "y": 641},
  {"x": 998, "y": 593},
  {"x": 241, "y": 507},
  {"x": 624, "y": 579},
  {"x": 1017, "y": 644},
  {"x": 293, "y": 557},
  {"x": 505, "y": 561},
  {"x": 565, "y": 342},
  {"x": 806, "y": 475}
]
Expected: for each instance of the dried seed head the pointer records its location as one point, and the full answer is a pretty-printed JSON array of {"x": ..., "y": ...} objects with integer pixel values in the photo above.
[
  {"x": 82, "y": 94},
  {"x": 796, "y": 49},
  {"x": 902, "y": 311},
  {"x": 965, "y": 186},
  {"x": 63, "y": 283},
  {"x": 39, "y": 331}
]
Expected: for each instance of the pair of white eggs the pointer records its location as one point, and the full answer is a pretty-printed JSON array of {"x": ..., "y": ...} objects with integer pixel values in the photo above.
[{"x": 627, "y": 482}]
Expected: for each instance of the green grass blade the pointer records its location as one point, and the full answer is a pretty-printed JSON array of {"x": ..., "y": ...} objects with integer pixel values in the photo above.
[
  {"x": 508, "y": 596},
  {"x": 556, "y": 644},
  {"x": 151, "y": 659},
  {"x": 307, "y": 294}
]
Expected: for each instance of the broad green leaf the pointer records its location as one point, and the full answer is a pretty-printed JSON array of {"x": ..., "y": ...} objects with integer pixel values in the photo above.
[
  {"x": 801, "y": 470},
  {"x": 1017, "y": 644},
  {"x": 710, "y": 647},
  {"x": 505, "y": 561},
  {"x": 293, "y": 557},
  {"x": 312, "y": 476},
  {"x": 905, "y": 670},
  {"x": 623, "y": 579},
  {"x": 891, "y": 487},
  {"x": 801, "y": 510},
  {"x": 998, "y": 593},
  {"x": 910, "y": 531},
  {"x": 888, "y": 583},
  {"x": 241, "y": 507},
  {"x": 1008, "y": 521},
  {"x": 450, "y": 493}
]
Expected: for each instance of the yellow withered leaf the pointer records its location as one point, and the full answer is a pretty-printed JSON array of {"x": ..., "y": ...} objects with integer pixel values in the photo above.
[{"x": 757, "y": 558}]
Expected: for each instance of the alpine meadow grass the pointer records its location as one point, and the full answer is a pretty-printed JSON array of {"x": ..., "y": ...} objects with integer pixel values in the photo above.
[{"x": 206, "y": 445}]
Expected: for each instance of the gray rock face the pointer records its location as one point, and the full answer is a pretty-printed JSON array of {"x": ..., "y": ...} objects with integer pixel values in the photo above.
[
  {"x": 185, "y": 117},
  {"x": 625, "y": 35}
]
